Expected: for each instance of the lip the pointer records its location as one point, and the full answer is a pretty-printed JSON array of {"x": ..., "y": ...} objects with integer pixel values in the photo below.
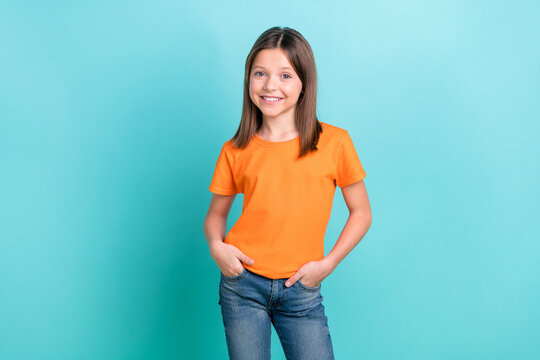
[{"x": 270, "y": 102}]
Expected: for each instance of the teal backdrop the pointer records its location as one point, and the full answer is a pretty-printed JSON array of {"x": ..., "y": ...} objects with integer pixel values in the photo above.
[{"x": 112, "y": 115}]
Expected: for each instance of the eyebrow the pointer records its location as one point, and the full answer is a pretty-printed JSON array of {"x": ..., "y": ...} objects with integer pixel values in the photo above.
[{"x": 285, "y": 67}]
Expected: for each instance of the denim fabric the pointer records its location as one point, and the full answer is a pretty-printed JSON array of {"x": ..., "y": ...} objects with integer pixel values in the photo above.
[{"x": 250, "y": 303}]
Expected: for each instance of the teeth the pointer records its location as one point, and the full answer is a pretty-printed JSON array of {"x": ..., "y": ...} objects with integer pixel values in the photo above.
[{"x": 270, "y": 99}]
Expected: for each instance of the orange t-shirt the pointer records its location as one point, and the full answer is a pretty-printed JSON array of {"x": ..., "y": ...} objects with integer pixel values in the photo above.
[{"x": 287, "y": 201}]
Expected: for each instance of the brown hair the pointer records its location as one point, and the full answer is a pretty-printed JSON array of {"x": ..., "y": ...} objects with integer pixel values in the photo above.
[{"x": 302, "y": 60}]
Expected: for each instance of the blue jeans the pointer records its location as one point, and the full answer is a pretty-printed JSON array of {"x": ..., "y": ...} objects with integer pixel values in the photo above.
[{"x": 251, "y": 302}]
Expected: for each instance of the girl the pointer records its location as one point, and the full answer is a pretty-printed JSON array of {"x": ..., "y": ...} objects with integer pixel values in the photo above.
[{"x": 287, "y": 164}]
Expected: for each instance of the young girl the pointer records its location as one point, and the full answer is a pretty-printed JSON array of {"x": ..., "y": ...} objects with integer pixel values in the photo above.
[{"x": 287, "y": 164}]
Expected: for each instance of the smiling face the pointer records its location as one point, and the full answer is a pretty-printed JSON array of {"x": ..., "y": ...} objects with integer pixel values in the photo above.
[{"x": 274, "y": 87}]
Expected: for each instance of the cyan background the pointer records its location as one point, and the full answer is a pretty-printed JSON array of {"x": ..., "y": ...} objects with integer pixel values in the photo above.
[{"x": 112, "y": 115}]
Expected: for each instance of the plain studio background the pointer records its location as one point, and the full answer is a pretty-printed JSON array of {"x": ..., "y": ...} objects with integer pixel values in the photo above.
[{"x": 112, "y": 115}]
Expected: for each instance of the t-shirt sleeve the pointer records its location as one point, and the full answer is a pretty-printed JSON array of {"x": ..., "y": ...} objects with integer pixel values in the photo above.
[
  {"x": 349, "y": 168},
  {"x": 223, "y": 179}
]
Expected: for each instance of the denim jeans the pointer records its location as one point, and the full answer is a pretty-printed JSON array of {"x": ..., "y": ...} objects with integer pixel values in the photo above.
[{"x": 251, "y": 302}]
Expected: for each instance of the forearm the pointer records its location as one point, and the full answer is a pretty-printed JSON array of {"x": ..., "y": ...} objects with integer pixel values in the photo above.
[
  {"x": 214, "y": 229},
  {"x": 354, "y": 230}
]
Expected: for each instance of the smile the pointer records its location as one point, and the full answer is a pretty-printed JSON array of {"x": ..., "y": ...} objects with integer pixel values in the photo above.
[{"x": 271, "y": 100}]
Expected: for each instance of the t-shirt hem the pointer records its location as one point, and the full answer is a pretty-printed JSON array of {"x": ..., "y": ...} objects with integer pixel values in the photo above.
[
  {"x": 270, "y": 275},
  {"x": 352, "y": 180},
  {"x": 220, "y": 191}
]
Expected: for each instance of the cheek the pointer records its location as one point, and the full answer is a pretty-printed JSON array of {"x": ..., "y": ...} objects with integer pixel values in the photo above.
[
  {"x": 253, "y": 87},
  {"x": 294, "y": 90},
  {"x": 293, "y": 95}
]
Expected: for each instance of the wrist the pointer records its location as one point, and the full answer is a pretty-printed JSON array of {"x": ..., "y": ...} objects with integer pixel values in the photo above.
[
  {"x": 330, "y": 264},
  {"x": 213, "y": 245}
]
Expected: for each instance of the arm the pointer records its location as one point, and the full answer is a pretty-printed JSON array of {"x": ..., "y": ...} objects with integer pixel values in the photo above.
[
  {"x": 215, "y": 222},
  {"x": 357, "y": 224},
  {"x": 227, "y": 257}
]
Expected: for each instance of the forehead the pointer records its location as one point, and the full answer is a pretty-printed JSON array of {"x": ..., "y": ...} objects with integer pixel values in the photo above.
[{"x": 272, "y": 59}]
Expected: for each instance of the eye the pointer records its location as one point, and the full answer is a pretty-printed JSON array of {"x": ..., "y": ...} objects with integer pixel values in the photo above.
[
  {"x": 289, "y": 76},
  {"x": 257, "y": 72}
]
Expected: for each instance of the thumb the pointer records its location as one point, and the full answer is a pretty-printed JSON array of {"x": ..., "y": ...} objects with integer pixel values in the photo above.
[{"x": 246, "y": 259}]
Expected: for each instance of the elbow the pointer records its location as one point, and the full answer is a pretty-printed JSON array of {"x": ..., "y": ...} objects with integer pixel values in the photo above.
[
  {"x": 362, "y": 214},
  {"x": 367, "y": 219}
]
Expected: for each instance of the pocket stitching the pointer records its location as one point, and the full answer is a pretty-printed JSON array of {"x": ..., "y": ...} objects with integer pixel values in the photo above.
[
  {"x": 308, "y": 288},
  {"x": 242, "y": 274}
]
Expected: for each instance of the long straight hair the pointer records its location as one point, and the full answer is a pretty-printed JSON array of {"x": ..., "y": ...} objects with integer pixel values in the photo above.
[{"x": 300, "y": 55}]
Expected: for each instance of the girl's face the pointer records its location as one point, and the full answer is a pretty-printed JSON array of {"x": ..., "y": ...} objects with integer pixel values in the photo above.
[{"x": 271, "y": 77}]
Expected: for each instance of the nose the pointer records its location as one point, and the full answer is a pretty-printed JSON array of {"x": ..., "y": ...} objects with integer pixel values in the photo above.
[{"x": 270, "y": 84}]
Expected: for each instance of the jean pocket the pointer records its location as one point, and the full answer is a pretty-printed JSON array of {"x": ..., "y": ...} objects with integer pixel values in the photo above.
[
  {"x": 242, "y": 274},
  {"x": 307, "y": 288}
]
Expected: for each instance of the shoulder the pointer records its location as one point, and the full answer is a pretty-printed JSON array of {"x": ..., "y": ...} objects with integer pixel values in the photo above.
[
  {"x": 231, "y": 151},
  {"x": 333, "y": 133},
  {"x": 333, "y": 129},
  {"x": 230, "y": 147}
]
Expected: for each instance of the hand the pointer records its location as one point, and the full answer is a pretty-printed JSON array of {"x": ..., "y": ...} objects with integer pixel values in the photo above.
[
  {"x": 229, "y": 258},
  {"x": 311, "y": 273}
]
